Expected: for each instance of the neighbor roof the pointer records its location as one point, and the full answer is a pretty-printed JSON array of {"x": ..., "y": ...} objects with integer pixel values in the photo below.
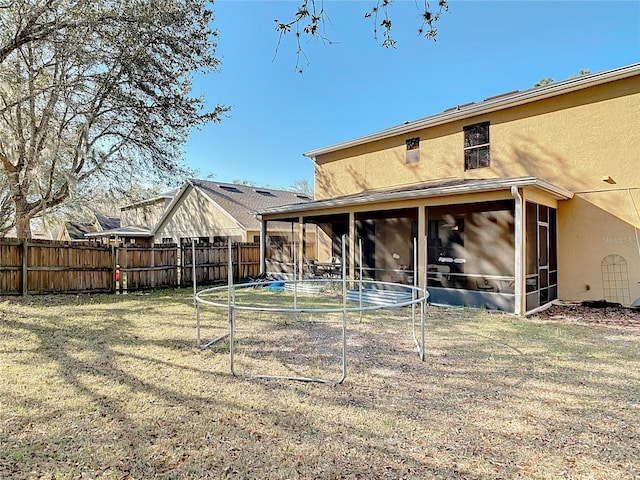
[
  {"x": 82, "y": 230},
  {"x": 242, "y": 202},
  {"x": 491, "y": 104},
  {"x": 78, "y": 230},
  {"x": 108, "y": 223}
]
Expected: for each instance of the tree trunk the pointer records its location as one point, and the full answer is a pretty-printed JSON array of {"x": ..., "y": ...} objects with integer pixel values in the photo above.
[{"x": 23, "y": 225}]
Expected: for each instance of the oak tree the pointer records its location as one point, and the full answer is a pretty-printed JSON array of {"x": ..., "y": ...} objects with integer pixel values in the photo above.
[{"x": 97, "y": 91}]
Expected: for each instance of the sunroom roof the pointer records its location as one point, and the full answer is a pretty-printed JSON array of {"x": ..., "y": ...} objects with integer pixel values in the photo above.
[{"x": 458, "y": 186}]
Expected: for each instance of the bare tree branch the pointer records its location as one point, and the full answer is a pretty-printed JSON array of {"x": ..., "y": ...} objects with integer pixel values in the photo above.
[{"x": 311, "y": 16}]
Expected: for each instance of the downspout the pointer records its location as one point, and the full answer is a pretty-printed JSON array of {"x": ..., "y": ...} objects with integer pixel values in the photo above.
[
  {"x": 518, "y": 251},
  {"x": 263, "y": 246},
  {"x": 301, "y": 253},
  {"x": 636, "y": 302}
]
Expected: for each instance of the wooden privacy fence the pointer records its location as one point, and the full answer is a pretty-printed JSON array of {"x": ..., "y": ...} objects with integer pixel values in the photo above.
[
  {"x": 45, "y": 266},
  {"x": 212, "y": 262},
  {"x": 143, "y": 267}
]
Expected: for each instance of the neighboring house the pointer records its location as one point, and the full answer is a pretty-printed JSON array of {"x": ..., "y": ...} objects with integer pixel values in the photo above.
[
  {"x": 77, "y": 231},
  {"x": 146, "y": 213},
  {"x": 515, "y": 201},
  {"x": 137, "y": 220},
  {"x": 213, "y": 212},
  {"x": 205, "y": 211}
]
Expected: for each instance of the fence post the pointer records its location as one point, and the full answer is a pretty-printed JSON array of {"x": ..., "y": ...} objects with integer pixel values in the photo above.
[
  {"x": 153, "y": 266},
  {"x": 193, "y": 263},
  {"x": 114, "y": 261},
  {"x": 182, "y": 250},
  {"x": 25, "y": 266},
  {"x": 123, "y": 270},
  {"x": 177, "y": 264}
]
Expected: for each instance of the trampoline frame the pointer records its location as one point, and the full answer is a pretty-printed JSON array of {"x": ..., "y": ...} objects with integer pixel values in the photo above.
[{"x": 419, "y": 296}]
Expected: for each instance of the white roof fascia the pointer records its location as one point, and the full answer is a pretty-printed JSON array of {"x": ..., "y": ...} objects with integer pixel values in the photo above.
[
  {"x": 475, "y": 187},
  {"x": 488, "y": 106},
  {"x": 554, "y": 190},
  {"x": 120, "y": 233},
  {"x": 148, "y": 201}
]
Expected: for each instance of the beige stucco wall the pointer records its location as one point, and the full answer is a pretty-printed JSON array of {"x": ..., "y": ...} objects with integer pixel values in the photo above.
[
  {"x": 572, "y": 140},
  {"x": 591, "y": 227},
  {"x": 196, "y": 216}
]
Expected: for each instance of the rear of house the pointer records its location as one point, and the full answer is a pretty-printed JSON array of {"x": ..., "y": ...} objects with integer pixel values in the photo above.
[{"x": 513, "y": 201}]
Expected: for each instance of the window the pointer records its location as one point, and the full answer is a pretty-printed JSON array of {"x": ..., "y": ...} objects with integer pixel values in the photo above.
[
  {"x": 167, "y": 240},
  {"x": 276, "y": 240},
  {"x": 413, "y": 150},
  {"x": 476, "y": 146}
]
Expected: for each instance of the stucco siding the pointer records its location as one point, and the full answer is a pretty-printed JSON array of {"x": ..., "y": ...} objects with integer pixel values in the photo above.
[
  {"x": 574, "y": 140},
  {"x": 196, "y": 216},
  {"x": 590, "y": 229}
]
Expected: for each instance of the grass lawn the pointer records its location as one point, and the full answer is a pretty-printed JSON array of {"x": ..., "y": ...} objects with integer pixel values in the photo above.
[{"x": 115, "y": 387}]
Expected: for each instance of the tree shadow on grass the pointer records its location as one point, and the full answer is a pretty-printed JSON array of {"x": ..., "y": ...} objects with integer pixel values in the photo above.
[{"x": 147, "y": 403}]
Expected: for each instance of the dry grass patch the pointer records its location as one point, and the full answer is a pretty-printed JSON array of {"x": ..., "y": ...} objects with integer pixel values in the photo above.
[{"x": 114, "y": 387}]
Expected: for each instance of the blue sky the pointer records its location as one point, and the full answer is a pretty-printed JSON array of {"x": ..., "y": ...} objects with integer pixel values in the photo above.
[{"x": 355, "y": 87}]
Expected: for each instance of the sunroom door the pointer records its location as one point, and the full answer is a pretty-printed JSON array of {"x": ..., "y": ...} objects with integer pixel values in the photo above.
[{"x": 542, "y": 273}]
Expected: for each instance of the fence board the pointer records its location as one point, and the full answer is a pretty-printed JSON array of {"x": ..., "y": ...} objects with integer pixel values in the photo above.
[
  {"x": 11, "y": 267},
  {"x": 44, "y": 266},
  {"x": 212, "y": 262}
]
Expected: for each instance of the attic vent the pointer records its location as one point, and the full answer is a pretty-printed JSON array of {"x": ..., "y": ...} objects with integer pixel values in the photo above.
[
  {"x": 266, "y": 193},
  {"x": 303, "y": 197},
  {"x": 229, "y": 188}
]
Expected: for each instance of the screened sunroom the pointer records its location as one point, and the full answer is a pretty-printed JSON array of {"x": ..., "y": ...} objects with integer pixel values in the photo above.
[{"x": 480, "y": 243}]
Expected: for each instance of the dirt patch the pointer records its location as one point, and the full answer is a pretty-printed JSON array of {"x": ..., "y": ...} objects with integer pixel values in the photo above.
[{"x": 604, "y": 314}]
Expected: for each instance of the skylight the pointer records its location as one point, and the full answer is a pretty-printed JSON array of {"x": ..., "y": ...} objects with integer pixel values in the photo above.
[
  {"x": 230, "y": 188},
  {"x": 266, "y": 193}
]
